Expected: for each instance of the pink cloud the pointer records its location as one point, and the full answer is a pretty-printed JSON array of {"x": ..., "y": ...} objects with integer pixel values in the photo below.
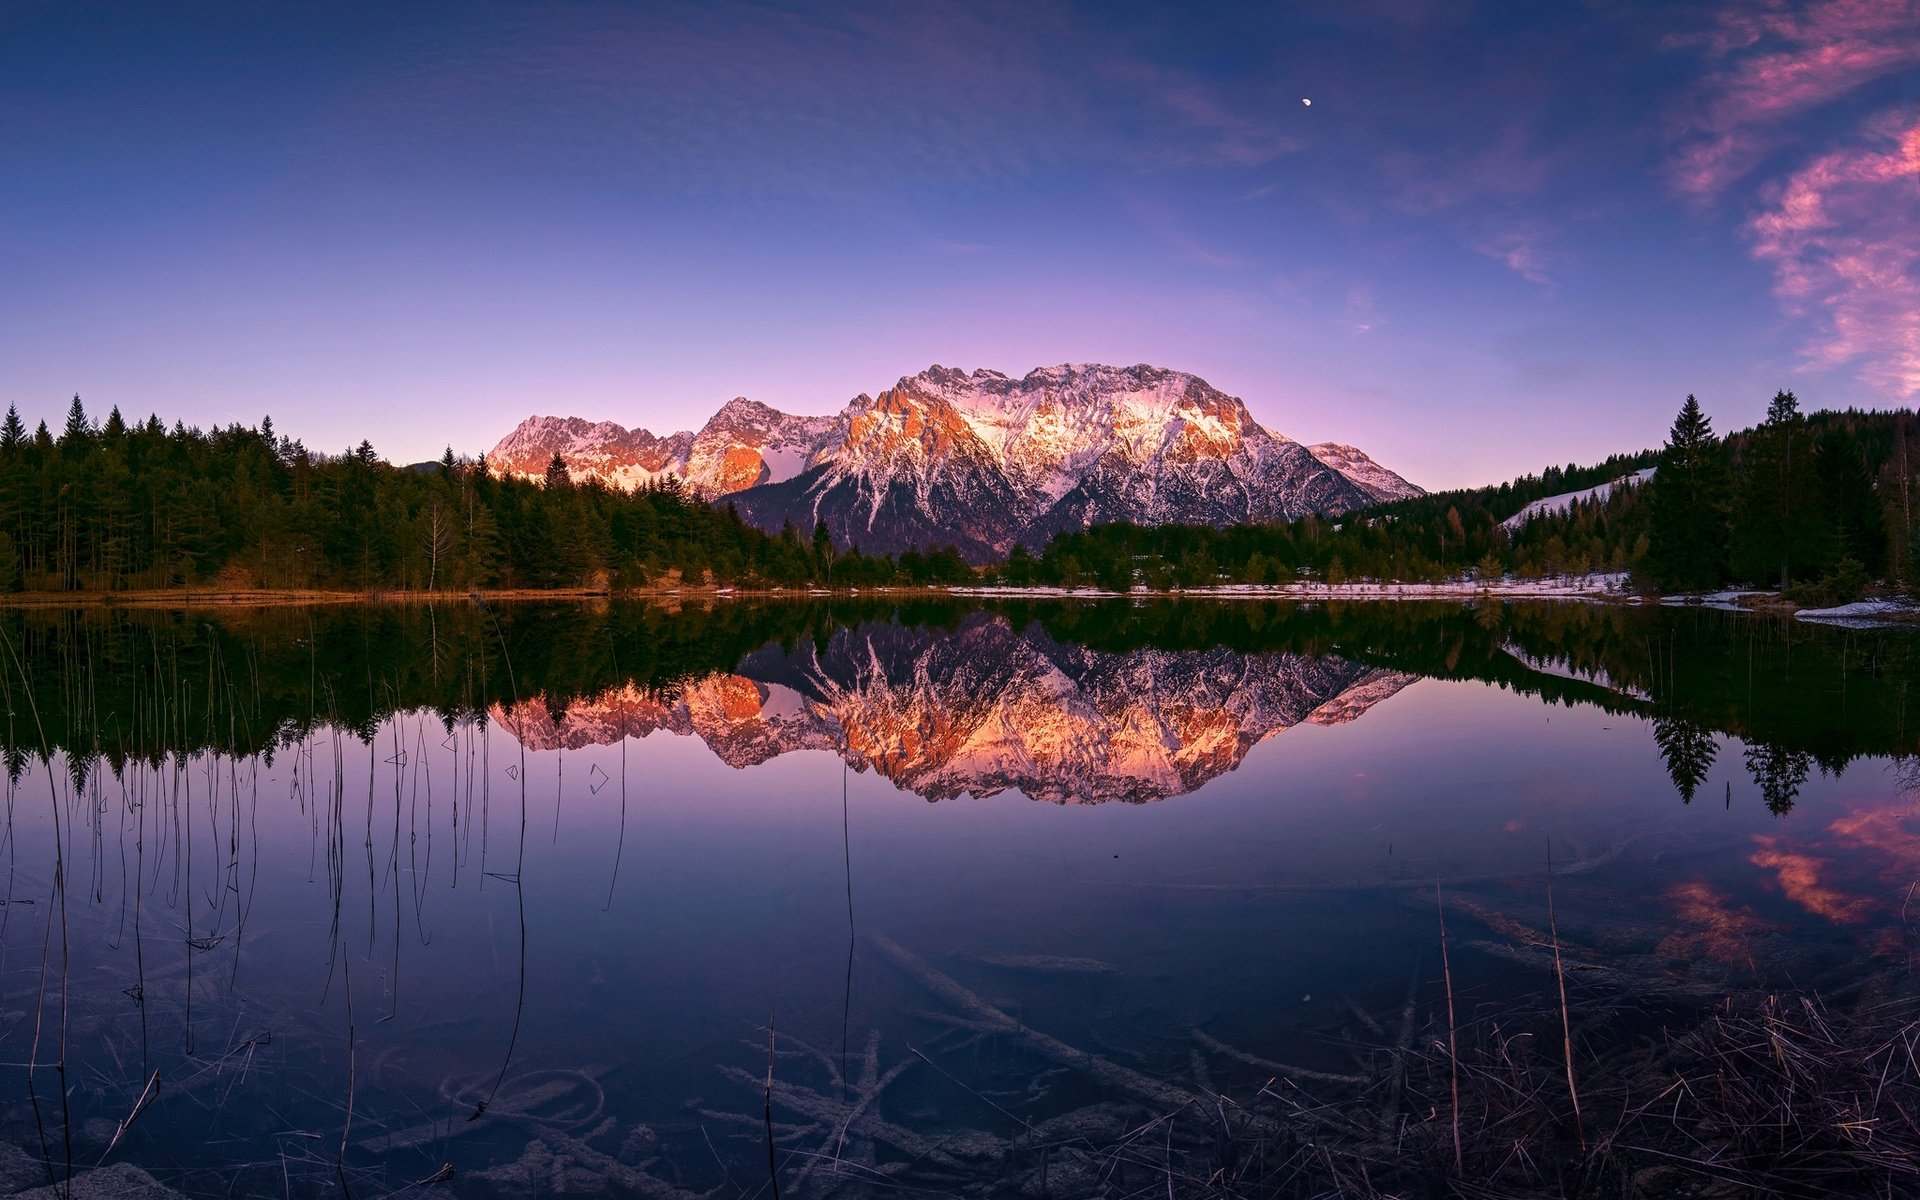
[
  {"x": 1521, "y": 252},
  {"x": 1842, "y": 235},
  {"x": 1772, "y": 63}
]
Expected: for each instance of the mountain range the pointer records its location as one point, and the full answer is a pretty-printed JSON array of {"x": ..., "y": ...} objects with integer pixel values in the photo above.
[
  {"x": 983, "y": 708},
  {"x": 981, "y": 461}
]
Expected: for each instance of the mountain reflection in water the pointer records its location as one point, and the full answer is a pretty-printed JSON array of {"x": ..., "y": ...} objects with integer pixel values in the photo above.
[{"x": 982, "y": 708}]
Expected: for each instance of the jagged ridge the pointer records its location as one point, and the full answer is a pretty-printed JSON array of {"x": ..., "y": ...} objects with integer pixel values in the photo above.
[{"x": 982, "y": 460}]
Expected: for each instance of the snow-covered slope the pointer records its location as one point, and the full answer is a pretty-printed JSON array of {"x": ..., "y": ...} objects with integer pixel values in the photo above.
[
  {"x": 1367, "y": 474},
  {"x": 986, "y": 708},
  {"x": 983, "y": 460},
  {"x": 1566, "y": 500}
]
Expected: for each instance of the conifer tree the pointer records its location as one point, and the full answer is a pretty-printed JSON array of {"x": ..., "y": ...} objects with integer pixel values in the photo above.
[
  {"x": 1688, "y": 539},
  {"x": 1850, "y": 509},
  {"x": 1778, "y": 524},
  {"x": 12, "y": 432},
  {"x": 77, "y": 432}
]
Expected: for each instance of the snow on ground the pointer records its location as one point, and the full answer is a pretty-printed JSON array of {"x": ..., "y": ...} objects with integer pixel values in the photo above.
[
  {"x": 1032, "y": 591},
  {"x": 1859, "y": 608},
  {"x": 1602, "y": 586},
  {"x": 1862, "y": 614},
  {"x": 1724, "y": 601},
  {"x": 1566, "y": 500}
]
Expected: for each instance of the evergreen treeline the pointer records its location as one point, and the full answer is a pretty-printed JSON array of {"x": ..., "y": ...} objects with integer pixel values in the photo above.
[
  {"x": 112, "y": 506},
  {"x": 1819, "y": 504}
]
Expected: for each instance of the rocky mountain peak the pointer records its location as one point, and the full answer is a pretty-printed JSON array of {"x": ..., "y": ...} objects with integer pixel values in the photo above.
[{"x": 981, "y": 460}]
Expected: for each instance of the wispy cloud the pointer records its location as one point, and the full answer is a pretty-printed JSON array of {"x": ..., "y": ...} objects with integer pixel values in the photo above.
[
  {"x": 1222, "y": 132},
  {"x": 1166, "y": 223},
  {"x": 1489, "y": 194},
  {"x": 1842, "y": 235},
  {"x": 1771, "y": 62},
  {"x": 833, "y": 100},
  {"x": 1362, "y": 315},
  {"x": 1840, "y": 228},
  {"x": 954, "y": 246},
  {"x": 1508, "y": 165},
  {"x": 1522, "y": 251}
]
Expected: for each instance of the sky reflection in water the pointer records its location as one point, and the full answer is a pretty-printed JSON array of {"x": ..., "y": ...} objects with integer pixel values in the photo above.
[{"x": 1292, "y": 810}]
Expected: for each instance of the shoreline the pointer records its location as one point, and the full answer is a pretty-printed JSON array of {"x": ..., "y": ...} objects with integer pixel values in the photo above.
[{"x": 1606, "y": 589}]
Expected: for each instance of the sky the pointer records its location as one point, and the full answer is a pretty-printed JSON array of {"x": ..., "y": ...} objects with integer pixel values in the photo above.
[{"x": 1500, "y": 236}]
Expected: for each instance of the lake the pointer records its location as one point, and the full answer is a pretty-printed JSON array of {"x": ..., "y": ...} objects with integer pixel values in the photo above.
[{"x": 1025, "y": 898}]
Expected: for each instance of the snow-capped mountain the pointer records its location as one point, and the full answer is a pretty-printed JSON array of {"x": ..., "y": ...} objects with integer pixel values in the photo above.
[
  {"x": 744, "y": 444},
  {"x": 614, "y": 454},
  {"x": 986, "y": 708},
  {"x": 983, "y": 460}
]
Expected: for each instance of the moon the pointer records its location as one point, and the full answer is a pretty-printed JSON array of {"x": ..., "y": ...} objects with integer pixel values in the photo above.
[{"x": 1306, "y": 102}]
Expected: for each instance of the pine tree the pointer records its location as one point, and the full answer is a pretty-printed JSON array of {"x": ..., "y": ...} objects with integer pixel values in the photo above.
[
  {"x": 1858, "y": 528},
  {"x": 1778, "y": 528},
  {"x": 1687, "y": 544},
  {"x": 12, "y": 432},
  {"x": 77, "y": 432},
  {"x": 558, "y": 477}
]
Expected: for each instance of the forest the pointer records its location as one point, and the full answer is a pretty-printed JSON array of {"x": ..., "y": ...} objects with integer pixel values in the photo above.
[
  {"x": 112, "y": 507},
  {"x": 1819, "y": 505}
]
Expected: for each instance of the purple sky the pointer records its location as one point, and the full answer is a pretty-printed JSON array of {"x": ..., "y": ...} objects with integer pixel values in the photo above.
[{"x": 1501, "y": 236}]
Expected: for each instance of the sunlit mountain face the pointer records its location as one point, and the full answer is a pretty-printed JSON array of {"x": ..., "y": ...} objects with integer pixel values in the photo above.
[
  {"x": 978, "y": 460},
  {"x": 983, "y": 709}
]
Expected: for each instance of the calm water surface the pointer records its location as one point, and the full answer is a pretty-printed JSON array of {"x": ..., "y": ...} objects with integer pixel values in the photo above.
[{"x": 332, "y": 899}]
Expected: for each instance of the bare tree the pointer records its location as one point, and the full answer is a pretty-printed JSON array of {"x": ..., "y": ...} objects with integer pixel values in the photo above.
[{"x": 439, "y": 540}]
